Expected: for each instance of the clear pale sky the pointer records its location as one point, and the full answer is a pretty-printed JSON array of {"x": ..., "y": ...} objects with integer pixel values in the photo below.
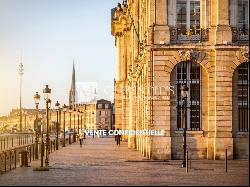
[{"x": 50, "y": 34}]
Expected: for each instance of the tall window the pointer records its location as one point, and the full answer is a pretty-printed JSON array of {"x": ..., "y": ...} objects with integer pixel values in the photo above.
[
  {"x": 106, "y": 106},
  {"x": 243, "y": 97},
  {"x": 243, "y": 15},
  {"x": 99, "y": 106},
  {"x": 188, "y": 17},
  {"x": 189, "y": 73},
  {"x": 239, "y": 17}
]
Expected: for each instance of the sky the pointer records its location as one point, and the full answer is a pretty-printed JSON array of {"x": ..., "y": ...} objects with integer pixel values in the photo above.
[{"x": 48, "y": 35}]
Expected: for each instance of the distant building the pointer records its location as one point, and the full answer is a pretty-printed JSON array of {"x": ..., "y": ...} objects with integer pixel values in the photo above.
[
  {"x": 11, "y": 122},
  {"x": 103, "y": 115}
]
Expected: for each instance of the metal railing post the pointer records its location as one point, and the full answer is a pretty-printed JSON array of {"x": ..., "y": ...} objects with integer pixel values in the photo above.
[{"x": 226, "y": 160}]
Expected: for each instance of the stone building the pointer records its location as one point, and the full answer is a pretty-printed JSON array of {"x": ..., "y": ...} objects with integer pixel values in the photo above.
[
  {"x": 90, "y": 113},
  {"x": 11, "y": 121},
  {"x": 203, "y": 44},
  {"x": 103, "y": 115}
]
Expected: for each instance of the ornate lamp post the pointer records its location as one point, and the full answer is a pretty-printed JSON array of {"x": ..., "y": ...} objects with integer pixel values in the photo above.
[
  {"x": 42, "y": 146},
  {"x": 85, "y": 107},
  {"x": 184, "y": 96},
  {"x": 47, "y": 92},
  {"x": 74, "y": 135},
  {"x": 21, "y": 72},
  {"x": 78, "y": 123},
  {"x": 81, "y": 118},
  {"x": 57, "y": 105},
  {"x": 49, "y": 128},
  {"x": 64, "y": 111},
  {"x": 37, "y": 100},
  {"x": 70, "y": 111}
]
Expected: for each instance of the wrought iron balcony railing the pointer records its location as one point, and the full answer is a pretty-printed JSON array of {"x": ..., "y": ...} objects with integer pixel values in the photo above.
[
  {"x": 240, "y": 35},
  {"x": 178, "y": 35}
]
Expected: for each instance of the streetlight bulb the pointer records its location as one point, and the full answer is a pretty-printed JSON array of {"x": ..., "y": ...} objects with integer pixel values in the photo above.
[
  {"x": 64, "y": 108},
  {"x": 37, "y": 98},
  {"x": 57, "y": 105},
  {"x": 47, "y": 92}
]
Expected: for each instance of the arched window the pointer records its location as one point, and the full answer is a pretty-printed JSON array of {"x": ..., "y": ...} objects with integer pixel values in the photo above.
[
  {"x": 189, "y": 73},
  {"x": 243, "y": 97}
]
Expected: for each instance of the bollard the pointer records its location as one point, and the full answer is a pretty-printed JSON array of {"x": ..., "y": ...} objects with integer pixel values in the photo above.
[
  {"x": 15, "y": 158},
  {"x": 12, "y": 142},
  {"x": 30, "y": 154},
  {"x": 5, "y": 162},
  {"x": 51, "y": 150},
  {"x": 33, "y": 151},
  {"x": 187, "y": 162},
  {"x": 42, "y": 152},
  {"x": 10, "y": 159},
  {"x": 226, "y": 160},
  {"x": 190, "y": 162}
]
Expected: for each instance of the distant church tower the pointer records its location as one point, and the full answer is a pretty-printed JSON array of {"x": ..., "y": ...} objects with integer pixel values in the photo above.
[{"x": 72, "y": 92}]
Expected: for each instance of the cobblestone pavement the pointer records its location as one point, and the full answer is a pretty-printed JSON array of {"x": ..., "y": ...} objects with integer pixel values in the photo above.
[{"x": 100, "y": 162}]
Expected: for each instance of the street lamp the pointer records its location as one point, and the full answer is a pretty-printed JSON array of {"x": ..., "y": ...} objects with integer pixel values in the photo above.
[
  {"x": 85, "y": 107},
  {"x": 78, "y": 113},
  {"x": 70, "y": 111},
  {"x": 21, "y": 72},
  {"x": 57, "y": 105},
  {"x": 49, "y": 118},
  {"x": 47, "y": 92},
  {"x": 64, "y": 111},
  {"x": 37, "y": 100},
  {"x": 184, "y": 96},
  {"x": 74, "y": 135},
  {"x": 81, "y": 118}
]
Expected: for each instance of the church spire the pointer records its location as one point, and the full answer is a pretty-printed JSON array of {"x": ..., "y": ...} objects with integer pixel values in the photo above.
[{"x": 72, "y": 92}]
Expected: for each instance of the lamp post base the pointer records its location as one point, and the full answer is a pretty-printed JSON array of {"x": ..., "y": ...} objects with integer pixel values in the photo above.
[
  {"x": 46, "y": 162},
  {"x": 69, "y": 138},
  {"x": 56, "y": 143},
  {"x": 36, "y": 149},
  {"x": 64, "y": 143}
]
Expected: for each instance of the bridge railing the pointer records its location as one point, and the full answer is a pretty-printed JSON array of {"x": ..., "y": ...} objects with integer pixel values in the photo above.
[
  {"x": 15, "y": 140},
  {"x": 11, "y": 158}
]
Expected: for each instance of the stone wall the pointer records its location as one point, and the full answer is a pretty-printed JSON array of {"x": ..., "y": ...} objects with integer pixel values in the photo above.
[{"x": 147, "y": 59}]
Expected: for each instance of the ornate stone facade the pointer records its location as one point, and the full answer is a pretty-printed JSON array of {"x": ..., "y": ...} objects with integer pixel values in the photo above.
[{"x": 150, "y": 46}]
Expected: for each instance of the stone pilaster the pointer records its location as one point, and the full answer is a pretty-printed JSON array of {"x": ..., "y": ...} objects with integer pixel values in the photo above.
[
  {"x": 161, "y": 146},
  {"x": 161, "y": 29},
  {"x": 220, "y": 31},
  {"x": 223, "y": 112}
]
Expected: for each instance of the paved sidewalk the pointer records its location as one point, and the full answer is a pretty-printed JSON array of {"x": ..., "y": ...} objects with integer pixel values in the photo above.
[{"x": 100, "y": 162}]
